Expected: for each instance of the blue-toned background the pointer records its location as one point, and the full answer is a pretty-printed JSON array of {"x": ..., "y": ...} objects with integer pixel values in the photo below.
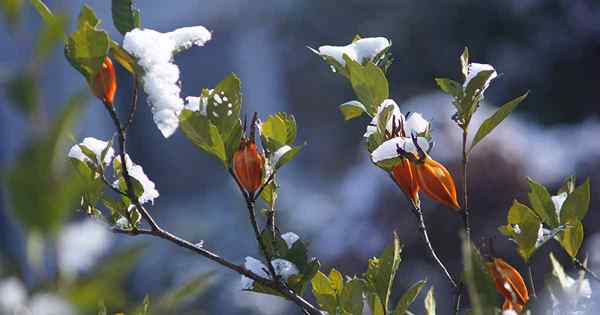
[{"x": 331, "y": 195}]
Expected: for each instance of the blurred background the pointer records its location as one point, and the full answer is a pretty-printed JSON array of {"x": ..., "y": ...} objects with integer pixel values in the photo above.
[{"x": 331, "y": 195}]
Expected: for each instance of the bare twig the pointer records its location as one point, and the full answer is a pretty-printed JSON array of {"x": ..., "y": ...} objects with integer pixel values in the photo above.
[
  {"x": 583, "y": 267},
  {"x": 423, "y": 228},
  {"x": 251, "y": 205},
  {"x": 134, "y": 101}
]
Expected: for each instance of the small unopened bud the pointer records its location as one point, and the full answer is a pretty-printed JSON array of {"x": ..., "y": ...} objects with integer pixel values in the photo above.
[
  {"x": 105, "y": 82},
  {"x": 509, "y": 284},
  {"x": 404, "y": 176},
  {"x": 248, "y": 162},
  {"x": 435, "y": 181}
]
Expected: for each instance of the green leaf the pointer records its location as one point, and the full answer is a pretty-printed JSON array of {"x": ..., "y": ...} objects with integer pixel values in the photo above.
[
  {"x": 125, "y": 16},
  {"x": 202, "y": 133},
  {"x": 375, "y": 304},
  {"x": 351, "y": 299},
  {"x": 224, "y": 104},
  {"x": 352, "y": 109},
  {"x": 123, "y": 58},
  {"x": 572, "y": 237},
  {"x": 171, "y": 299},
  {"x": 87, "y": 15},
  {"x": 288, "y": 156},
  {"x": 568, "y": 185},
  {"x": 542, "y": 204},
  {"x": 450, "y": 87},
  {"x": 50, "y": 36},
  {"x": 408, "y": 298},
  {"x": 464, "y": 62},
  {"x": 324, "y": 292},
  {"x": 336, "y": 280},
  {"x": 86, "y": 49},
  {"x": 23, "y": 92},
  {"x": 43, "y": 10},
  {"x": 369, "y": 83},
  {"x": 529, "y": 224},
  {"x": 278, "y": 130},
  {"x": 430, "y": 303},
  {"x": 382, "y": 271},
  {"x": 269, "y": 194},
  {"x": 577, "y": 204},
  {"x": 480, "y": 285},
  {"x": 42, "y": 188},
  {"x": 493, "y": 121}
]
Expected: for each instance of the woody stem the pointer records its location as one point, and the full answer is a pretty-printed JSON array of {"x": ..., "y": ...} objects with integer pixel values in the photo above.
[
  {"x": 423, "y": 229},
  {"x": 466, "y": 214}
]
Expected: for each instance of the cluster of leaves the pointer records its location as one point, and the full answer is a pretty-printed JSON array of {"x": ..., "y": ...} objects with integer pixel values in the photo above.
[
  {"x": 337, "y": 294},
  {"x": 467, "y": 98},
  {"x": 532, "y": 227}
]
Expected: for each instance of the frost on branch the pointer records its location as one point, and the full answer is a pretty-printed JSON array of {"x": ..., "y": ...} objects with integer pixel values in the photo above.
[
  {"x": 359, "y": 51},
  {"x": 149, "y": 192},
  {"x": 154, "y": 51},
  {"x": 283, "y": 268},
  {"x": 89, "y": 148}
]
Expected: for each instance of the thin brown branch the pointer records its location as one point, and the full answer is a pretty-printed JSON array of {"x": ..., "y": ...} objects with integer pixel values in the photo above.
[
  {"x": 423, "y": 228},
  {"x": 157, "y": 231},
  {"x": 134, "y": 101}
]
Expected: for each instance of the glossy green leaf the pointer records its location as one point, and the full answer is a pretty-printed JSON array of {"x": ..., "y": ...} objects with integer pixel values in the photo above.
[
  {"x": 202, "y": 133},
  {"x": 479, "y": 283},
  {"x": 278, "y": 130},
  {"x": 542, "y": 204},
  {"x": 572, "y": 237},
  {"x": 351, "y": 298},
  {"x": 352, "y": 109},
  {"x": 430, "y": 303},
  {"x": 224, "y": 104},
  {"x": 382, "y": 270},
  {"x": 324, "y": 292},
  {"x": 493, "y": 121},
  {"x": 529, "y": 224},
  {"x": 577, "y": 204},
  {"x": 375, "y": 304},
  {"x": 86, "y": 49},
  {"x": 408, "y": 298},
  {"x": 123, "y": 58},
  {"x": 450, "y": 87},
  {"x": 288, "y": 156},
  {"x": 125, "y": 16},
  {"x": 87, "y": 15},
  {"x": 568, "y": 185},
  {"x": 269, "y": 194},
  {"x": 369, "y": 84},
  {"x": 464, "y": 61},
  {"x": 336, "y": 280}
]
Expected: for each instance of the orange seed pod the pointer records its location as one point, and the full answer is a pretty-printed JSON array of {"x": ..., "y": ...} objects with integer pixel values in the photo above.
[
  {"x": 404, "y": 176},
  {"x": 105, "y": 82},
  {"x": 509, "y": 284},
  {"x": 248, "y": 165},
  {"x": 435, "y": 181}
]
